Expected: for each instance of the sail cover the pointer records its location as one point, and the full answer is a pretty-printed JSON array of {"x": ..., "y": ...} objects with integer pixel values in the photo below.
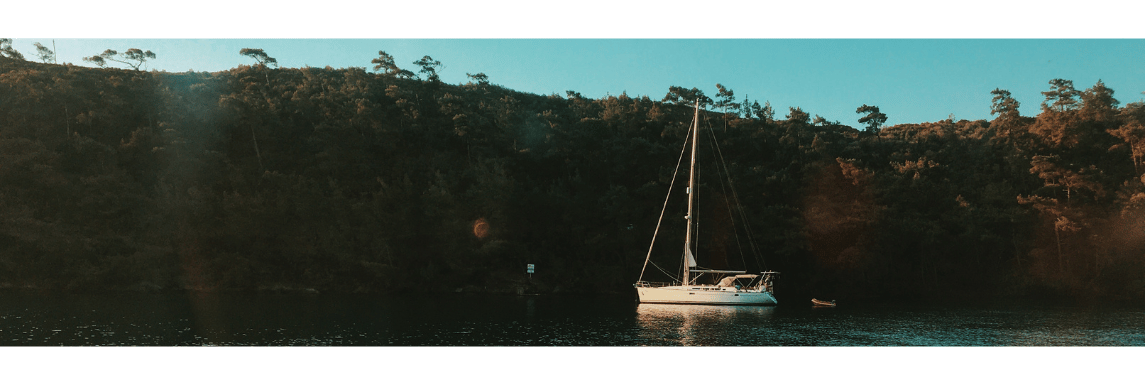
[{"x": 691, "y": 259}]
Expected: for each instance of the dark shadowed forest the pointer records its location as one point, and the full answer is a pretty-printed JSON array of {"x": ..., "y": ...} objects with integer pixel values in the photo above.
[{"x": 384, "y": 179}]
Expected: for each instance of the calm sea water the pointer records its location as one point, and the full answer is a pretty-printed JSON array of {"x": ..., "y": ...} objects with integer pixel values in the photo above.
[{"x": 223, "y": 319}]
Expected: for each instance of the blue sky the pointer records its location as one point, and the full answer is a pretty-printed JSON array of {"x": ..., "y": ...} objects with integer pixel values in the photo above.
[{"x": 827, "y": 74}]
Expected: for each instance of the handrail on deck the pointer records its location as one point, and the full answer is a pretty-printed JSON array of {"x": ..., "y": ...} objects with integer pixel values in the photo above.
[{"x": 652, "y": 284}]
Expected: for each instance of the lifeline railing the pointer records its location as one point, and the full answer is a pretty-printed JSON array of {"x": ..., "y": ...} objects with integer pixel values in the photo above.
[{"x": 653, "y": 284}]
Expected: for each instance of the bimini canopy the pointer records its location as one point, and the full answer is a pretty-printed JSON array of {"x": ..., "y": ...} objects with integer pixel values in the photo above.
[{"x": 729, "y": 281}]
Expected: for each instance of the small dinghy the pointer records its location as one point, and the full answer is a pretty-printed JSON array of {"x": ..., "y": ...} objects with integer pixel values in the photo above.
[{"x": 818, "y": 303}]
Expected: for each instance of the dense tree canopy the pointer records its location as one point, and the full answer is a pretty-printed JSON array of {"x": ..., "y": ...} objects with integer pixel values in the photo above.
[{"x": 348, "y": 180}]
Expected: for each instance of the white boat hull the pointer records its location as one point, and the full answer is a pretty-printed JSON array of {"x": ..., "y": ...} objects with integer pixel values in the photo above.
[{"x": 704, "y": 295}]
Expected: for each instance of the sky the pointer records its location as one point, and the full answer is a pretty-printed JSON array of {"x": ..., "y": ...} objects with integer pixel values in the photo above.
[
  {"x": 911, "y": 80},
  {"x": 915, "y": 65}
]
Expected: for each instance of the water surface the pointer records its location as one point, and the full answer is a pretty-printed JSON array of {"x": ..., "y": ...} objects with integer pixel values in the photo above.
[{"x": 221, "y": 319}]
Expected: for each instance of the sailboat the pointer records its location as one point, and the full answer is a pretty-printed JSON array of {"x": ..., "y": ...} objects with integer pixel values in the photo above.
[{"x": 731, "y": 287}]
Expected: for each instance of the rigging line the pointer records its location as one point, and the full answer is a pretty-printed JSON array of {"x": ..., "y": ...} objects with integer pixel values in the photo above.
[
  {"x": 739, "y": 206},
  {"x": 674, "y": 279},
  {"x": 747, "y": 228},
  {"x": 658, "y": 221},
  {"x": 727, "y": 173}
]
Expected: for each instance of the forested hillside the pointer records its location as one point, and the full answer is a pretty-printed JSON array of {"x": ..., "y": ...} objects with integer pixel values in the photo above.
[{"x": 375, "y": 180}]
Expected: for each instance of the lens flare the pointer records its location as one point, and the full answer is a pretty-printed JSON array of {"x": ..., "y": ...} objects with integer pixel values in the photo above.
[{"x": 480, "y": 228}]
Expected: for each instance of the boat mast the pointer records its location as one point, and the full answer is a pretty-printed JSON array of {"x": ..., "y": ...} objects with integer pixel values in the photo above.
[{"x": 691, "y": 192}]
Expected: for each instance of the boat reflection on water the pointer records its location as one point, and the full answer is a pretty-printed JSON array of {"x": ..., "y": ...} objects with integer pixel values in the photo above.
[{"x": 691, "y": 325}]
